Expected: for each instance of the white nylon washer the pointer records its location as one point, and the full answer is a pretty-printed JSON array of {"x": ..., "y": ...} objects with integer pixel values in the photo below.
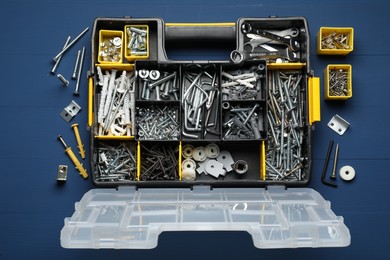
[
  {"x": 187, "y": 151},
  {"x": 188, "y": 163},
  {"x": 199, "y": 154},
  {"x": 188, "y": 174},
  {"x": 347, "y": 173},
  {"x": 212, "y": 150}
]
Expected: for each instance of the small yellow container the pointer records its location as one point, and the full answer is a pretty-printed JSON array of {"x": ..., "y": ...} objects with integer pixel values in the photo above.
[
  {"x": 338, "y": 82},
  {"x": 110, "y": 47},
  {"x": 137, "y": 47},
  {"x": 337, "y": 40}
]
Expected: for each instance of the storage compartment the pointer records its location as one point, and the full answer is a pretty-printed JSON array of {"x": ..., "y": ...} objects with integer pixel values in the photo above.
[
  {"x": 256, "y": 109},
  {"x": 338, "y": 82},
  {"x": 335, "y": 40},
  {"x": 136, "y": 42},
  {"x": 110, "y": 46},
  {"x": 277, "y": 40}
]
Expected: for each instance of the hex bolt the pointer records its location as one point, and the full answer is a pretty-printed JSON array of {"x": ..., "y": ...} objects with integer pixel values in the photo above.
[
  {"x": 138, "y": 31},
  {"x": 74, "y": 75},
  {"x": 53, "y": 70},
  {"x": 64, "y": 81},
  {"x": 70, "y": 44}
]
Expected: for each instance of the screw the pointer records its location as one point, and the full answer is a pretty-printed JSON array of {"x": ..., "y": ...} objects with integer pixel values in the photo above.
[
  {"x": 333, "y": 176},
  {"x": 76, "y": 64},
  {"x": 76, "y": 92},
  {"x": 63, "y": 80},
  {"x": 70, "y": 44},
  {"x": 53, "y": 70}
]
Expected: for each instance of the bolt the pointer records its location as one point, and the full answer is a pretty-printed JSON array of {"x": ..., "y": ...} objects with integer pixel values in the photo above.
[
  {"x": 76, "y": 64},
  {"x": 63, "y": 80}
]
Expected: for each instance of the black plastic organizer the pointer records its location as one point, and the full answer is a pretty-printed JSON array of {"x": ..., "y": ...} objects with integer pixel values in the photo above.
[{"x": 274, "y": 62}]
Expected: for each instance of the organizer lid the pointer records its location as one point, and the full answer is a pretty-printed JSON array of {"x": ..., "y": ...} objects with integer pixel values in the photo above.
[{"x": 133, "y": 219}]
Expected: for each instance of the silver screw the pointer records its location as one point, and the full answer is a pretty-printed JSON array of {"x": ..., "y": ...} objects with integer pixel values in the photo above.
[
  {"x": 53, "y": 70},
  {"x": 70, "y": 44},
  {"x": 63, "y": 80},
  {"x": 76, "y": 64},
  {"x": 76, "y": 92}
]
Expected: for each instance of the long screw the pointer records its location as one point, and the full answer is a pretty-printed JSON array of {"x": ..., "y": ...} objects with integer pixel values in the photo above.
[
  {"x": 76, "y": 92},
  {"x": 76, "y": 65},
  {"x": 336, "y": 154},
  {"x": 53, "y": 70},
  {"x": 70, "y": 44}
]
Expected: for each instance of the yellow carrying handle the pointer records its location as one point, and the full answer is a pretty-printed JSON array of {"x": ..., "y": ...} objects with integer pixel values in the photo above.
[
  {"x": 90, "y": 101},
  {"x": 314, "y": 100},
  {"x": 76, "y": 162}
]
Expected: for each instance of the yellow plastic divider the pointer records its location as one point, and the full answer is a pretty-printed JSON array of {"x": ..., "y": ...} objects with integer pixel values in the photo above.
[
  {"x": 292, "y": 65},
  {"x": 314, "y": 100},
  {"x": 118, "y": 66},
  {"x": 113, "y": 137},
  {"x": 180, "y": 160},
  {"x": 138, "y": 161},
  {"x": 262, "y": 161},
  {"x": 90, "y": 101}
]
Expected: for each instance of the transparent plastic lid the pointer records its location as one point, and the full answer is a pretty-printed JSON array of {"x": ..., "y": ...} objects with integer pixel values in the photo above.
[{"x": 133, "y": 219}]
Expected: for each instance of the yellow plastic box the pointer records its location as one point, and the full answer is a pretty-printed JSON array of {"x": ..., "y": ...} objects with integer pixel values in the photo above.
[
  {"x": 131, "y": 53},
  {"x": 342, "y": 47},
  {"x": 110, "y": 47},
  {"x": 345, "y": 75}
]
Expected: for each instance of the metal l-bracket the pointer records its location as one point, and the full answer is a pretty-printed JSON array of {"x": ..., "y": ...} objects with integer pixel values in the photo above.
[
  {"x": 338, "y": 124},
  {"x": 70, "y": 111}
]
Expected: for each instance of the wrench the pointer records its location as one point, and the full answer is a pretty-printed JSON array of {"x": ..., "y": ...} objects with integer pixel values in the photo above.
[{"x": 238, "y": 56}]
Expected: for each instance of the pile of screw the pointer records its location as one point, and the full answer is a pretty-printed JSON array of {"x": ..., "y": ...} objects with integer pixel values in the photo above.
[
  {"x": 156, "y": 123},
  {"x": 111, "y": 49},
  {"x": 116, "y": 111},
  {"x": 335, "y": 41},
  {"x": 285, "y": 133},
  {"x": 200, "y": 98},
  {"x": 159, "y": 162},
  {"x": 116, "y": 163},
  {"x": 242, "y": 122},
  {"x": 338, "y": 79},
  {"x": 242, "y": 84},
  {"x": 137, "y": 41},
  {"x": 158, "y": 85}
]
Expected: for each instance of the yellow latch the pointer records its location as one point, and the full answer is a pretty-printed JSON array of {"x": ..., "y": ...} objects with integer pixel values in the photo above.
[{"x": 314, "y": 100}]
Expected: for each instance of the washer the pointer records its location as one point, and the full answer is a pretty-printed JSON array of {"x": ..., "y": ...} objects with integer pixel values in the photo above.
[
  {"x": 187, "y": 151},
  {"x": 199, "y": 154},
  {"x": 188, "y": 174},
  {"x": 188, "y": 163},
  {"x": 154, "y": 74},
  {"x": 212, "y": 150},
  {"x": 347, "y": 173}
]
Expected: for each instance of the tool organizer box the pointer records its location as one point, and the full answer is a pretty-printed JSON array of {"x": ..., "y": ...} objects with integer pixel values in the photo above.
[
  {"x": 251, "y": 149},
  {"x": 185, "y": 109}
]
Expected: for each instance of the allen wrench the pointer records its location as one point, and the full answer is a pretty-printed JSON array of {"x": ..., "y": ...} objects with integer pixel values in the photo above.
[{"x": 323, "y": 180}]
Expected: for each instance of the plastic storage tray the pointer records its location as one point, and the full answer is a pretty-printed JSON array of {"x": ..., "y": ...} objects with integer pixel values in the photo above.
[{"x": 233, "y": 199}]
